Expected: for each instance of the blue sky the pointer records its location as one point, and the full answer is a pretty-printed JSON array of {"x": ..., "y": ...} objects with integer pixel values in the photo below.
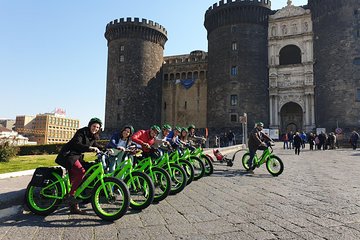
[{"x": 53, "y": 53}]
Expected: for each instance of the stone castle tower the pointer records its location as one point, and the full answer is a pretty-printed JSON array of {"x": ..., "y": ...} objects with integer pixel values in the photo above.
[
  {"x": 237, "y": 62},
  {"x": 295, "y": 68},
  {"x": 337, "y": 62},
  {"x": 135, "y": 57}
]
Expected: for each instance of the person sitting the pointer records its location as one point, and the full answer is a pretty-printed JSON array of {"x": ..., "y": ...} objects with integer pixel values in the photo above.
[
  {"x": 146, "y": 139},
  {"x": 118, "y": 143},
  {"x": 71, "y": 157}
]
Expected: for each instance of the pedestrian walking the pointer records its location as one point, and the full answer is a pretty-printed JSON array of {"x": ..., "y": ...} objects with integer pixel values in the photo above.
[{"x": 297, "y": 143}]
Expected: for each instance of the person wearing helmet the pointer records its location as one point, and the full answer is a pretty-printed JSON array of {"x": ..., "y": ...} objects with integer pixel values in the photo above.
[
  {"x": 71, "y": 157},
  {"x": 161, "y": 138},
  {"x": 173, "y": 137},
  {"x": 118, "y": 143},
  {"x": 193, "y": 139},
  {"x": 146, "y": 138},
  {"x": 256, "y": 140}
]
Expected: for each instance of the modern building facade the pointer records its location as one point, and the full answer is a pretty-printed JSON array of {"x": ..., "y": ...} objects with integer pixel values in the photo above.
[
  {"x": 296, "y": 68},
  {"x": 47, "y": 128}
]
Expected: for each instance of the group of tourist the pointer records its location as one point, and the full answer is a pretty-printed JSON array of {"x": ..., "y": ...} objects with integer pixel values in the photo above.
[{"x": 85, "y": 140}]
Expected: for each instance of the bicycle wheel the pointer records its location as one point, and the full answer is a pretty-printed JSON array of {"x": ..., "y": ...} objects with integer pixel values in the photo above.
[
  {"x": 178, "y": 178},
  {"x": 189, "y": 170},
  {"x": 274, "y": 165},
  {"x": 245, "y": 160},
  {"x": 199, "y": 167},
  {"x": 162, "y": 183},
  {"x": 141, "y": 190},
  {"x": 46, "y": 199},
  {"x": 209, "y": 168},
  {"x": 110, "y": 199}
]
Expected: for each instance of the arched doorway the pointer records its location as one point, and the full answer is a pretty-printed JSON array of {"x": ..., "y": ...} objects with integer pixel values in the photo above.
[{"x": 291, "y": 117}]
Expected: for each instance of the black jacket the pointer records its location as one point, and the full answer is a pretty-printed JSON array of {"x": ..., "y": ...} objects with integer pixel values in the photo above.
[{"x": 74, "y": 149}]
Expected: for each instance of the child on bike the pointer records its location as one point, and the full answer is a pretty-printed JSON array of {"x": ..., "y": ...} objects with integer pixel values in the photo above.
[
  {"x": 118, "y": 143},
  {"x": 71, "y": 157}
]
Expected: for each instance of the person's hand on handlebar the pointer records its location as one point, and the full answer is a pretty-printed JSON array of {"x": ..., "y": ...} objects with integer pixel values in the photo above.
[
  {"x": 94, "y": 149},
  {"x": 146, "y": 145}
]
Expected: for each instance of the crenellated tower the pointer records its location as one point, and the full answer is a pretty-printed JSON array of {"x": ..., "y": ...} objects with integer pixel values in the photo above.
[
  {"x": 135, "y": 58},
  {"x": 336, "y": 27},
  {"x": 237, "y": 32}
]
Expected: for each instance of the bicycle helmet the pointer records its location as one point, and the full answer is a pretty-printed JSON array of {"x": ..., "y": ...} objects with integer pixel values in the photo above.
[
  {"x": 184, "y": 129},
  {"x": 156, "y": 128},
  {"x": 129, "y": 127},
  {"x": 166, "y": 127},
  {"x": 177, "y": 128},
  {"x": 94, "y": 120},
  {"x": 192, "y": 126},
  {"x": 259, "y": 124}
]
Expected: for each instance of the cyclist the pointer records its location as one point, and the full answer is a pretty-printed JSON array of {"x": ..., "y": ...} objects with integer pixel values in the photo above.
[
  {"x": 256, "y": 141},
  {"x": 119, "y": 141},
  {"x": 193, "y": 139},
  {"x": 71, "y": 157},
  {"x": 173, "y": 137},
  {"x": 161, "y": 138},
  {"x": 146, "y": 138}
]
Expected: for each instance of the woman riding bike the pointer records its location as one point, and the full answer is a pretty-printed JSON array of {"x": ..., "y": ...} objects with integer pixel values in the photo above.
[{"x": 71, "y": 157}]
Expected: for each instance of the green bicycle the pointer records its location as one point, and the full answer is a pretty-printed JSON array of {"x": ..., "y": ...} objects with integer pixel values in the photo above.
[
  {"x": 110, "y": 198},
  {"x": 274, "y": 164},
  {"x": 140, "y": 185}
]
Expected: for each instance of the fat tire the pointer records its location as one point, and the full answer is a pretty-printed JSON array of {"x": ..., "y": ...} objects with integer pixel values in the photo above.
[
  {"x": 151, "y": 189},
  {"x": 189, "y": 170},
  {"x": 268, "y": 167},
  {"x": 182, "y": 185},
  {"x": 201, "y": 168},
  {"x": 244, "y": 160},
  {"x": 33, "y": 207},
  {"x": 209, "y": 167},
  {"x": 165, "y": 189},
  {"x": 124, "y": 206}
]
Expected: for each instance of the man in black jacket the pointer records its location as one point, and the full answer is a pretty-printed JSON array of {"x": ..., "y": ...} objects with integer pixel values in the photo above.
[{"x": 256, "y": 140}]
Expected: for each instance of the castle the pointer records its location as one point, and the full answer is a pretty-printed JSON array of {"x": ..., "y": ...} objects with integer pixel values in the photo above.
[{"x": 296, "y": 68}]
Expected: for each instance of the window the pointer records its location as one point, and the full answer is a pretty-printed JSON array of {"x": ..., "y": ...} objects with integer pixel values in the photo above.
[
  {"x": 118, "y": 117},
  {"x": 121, "y": 58},
  {"x": 120, "y": 80},
  {"x": 290, "y": 54},
  {"x": 122, "y": 48},
  {"x": 233, "y": 70},
  {"x": 164, "y": 105},
  {"x": 358, "y": 95},
  {"x": 119, "y": 102},
  {"x": 233, "y": 117},
  {"x": 185, "y": 106},
  {"x": 234, "y": 46},
  {"x": 233, "y": 100}
]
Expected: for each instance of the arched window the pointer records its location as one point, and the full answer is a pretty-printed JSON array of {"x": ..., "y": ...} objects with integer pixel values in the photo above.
[{"x": 290, "y": 54}]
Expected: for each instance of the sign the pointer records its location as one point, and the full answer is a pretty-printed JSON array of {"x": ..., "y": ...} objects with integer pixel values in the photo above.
[
  {"x": 338, "y": 130},
  {"x": 274, "y": 134},
  {"x": 320, "y": 130}
]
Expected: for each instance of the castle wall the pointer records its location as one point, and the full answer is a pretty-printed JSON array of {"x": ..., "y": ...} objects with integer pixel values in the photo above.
[
  {"x": 336, "y": 71},
  {"x": 184, "y": 105}
]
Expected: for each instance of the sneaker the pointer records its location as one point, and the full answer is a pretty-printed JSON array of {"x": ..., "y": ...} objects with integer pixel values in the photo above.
[
  {"x": 70, "y": 199},
  {"x": 74, "y": 209}
]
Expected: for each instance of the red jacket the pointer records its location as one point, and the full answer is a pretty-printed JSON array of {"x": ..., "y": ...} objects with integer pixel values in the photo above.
[{"x": 141, "y": 137}]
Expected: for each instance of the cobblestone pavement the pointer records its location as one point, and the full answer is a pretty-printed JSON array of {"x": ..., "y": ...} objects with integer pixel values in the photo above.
[{"x": 316, "y": 197}]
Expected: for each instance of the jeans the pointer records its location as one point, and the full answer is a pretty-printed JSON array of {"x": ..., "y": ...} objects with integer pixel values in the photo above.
[{"x": 252, "y": 153}]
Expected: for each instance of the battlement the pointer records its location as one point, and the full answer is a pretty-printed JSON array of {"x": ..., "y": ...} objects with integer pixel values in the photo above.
[
  {"x": 136, "y": 21},
  {"x": 194, "y": 57},
  {"x": 224, "y": 3},
  {"x": 229, "y": 12},
  {"x": 130, "y": 28}
]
